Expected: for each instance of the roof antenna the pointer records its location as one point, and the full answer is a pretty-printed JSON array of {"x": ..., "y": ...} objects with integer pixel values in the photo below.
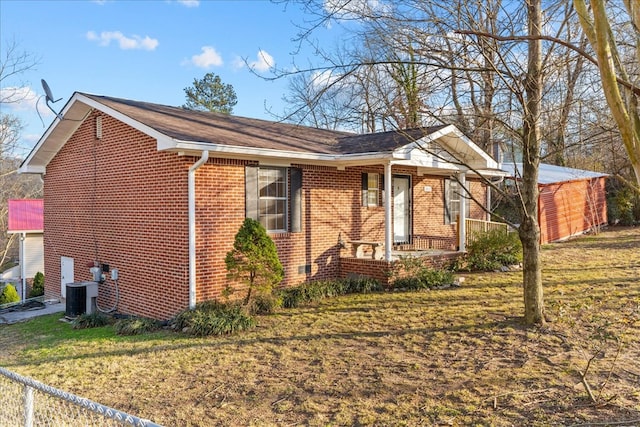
[{"x": 49, "y": 98}]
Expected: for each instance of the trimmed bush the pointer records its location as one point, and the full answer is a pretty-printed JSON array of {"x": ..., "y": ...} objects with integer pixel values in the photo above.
[
  {"x": 214, "y": 318},
  {"x": 254, "y": 260},
  {"x": 37, "y": 288},
  {"x": 136, "y": 326},
  {"x": 9, "y": 295},
  {"x": 93, "y": 320},
  {"x": 492, "y": 250}
]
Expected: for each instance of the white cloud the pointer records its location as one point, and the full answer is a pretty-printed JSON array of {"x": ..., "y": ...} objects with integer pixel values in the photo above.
[
  {"x": 354, "y": 9},
  {"x": 189, "y": 3},
  {"x": 324, "y": 79},
  {"x": 19, "y": 98},
  {"x": 263, "y": 62},
  {"x": 207, "y": 59},
  {"x": 125, "y": 43},
  {"x": 238, "y": 62}
]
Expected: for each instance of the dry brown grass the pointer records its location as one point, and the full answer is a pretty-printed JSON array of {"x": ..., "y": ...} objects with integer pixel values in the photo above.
[{"x": 447, "y": 357}]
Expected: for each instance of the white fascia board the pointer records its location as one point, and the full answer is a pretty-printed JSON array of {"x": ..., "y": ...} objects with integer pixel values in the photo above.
[
  {"x": 44, "y": 148},
  {"x": 486, "y": 159},
  {"x": 188, "y": 147},
  {"x": 444, "y": 136},
  {"x": 25, "y": 168}
]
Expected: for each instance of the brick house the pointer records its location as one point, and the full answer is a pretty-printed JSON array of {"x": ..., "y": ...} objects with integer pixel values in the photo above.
[{"x": 159, "y": 193}]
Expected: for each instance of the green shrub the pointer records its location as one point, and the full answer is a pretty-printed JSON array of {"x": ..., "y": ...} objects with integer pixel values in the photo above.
[
  {"x": 136, "y": 326},
  {"x": 214, "y": 318},
  {"x": 492, "y": 250},
  {"x": 364, "y": 285},
  {"x": 424, "y": 278},
  {"x": 265, "y": 304},
  {"x": 623, "y": 206},
  {"x": 310, "y": 292},
  {"x": 254, "y": 260},
  {"x": 410, "y": 283},
  {"x": 37, "y": 288},
  {"x": 305, "y": 293},
  {"x": 93, "y": 320},
  {"x": 435, "y": 277},
  {"x": 9, "y": 295},
  {"x": 411, "y": 274}
]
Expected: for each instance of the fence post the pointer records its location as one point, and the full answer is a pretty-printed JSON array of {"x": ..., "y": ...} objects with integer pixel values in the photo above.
[{"x": 28, "y": 406}]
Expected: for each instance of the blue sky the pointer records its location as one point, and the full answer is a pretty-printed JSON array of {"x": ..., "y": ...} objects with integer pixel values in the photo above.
[{"x": 150, "y": 51}]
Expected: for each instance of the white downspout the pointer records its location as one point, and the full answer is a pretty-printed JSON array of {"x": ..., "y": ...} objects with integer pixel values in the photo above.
[
  {"x": 388, "y": 231},
  {"x": 192, "y": 226},
  {"x": 462, "y": 226},
  {"x": 23, "y": 264}
]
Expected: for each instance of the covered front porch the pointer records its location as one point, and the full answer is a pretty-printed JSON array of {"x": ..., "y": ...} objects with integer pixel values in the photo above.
[{"x": 433, "y": 251}]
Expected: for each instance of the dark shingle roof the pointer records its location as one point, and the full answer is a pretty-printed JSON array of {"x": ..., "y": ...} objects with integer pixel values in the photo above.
[
  {"x": 218, "y": 128},
  {"x": 383, "y": 141},
  {"x": 223, "y": 129}
]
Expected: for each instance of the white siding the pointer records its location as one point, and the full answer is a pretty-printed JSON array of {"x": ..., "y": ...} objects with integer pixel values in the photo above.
[{"x": 34, "y": 255}]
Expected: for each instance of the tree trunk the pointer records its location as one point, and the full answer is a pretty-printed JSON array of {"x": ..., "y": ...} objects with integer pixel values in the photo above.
[{"x": 529, "y": 230}]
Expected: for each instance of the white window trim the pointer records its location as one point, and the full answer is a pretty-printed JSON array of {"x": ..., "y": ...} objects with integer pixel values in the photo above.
[{"x": 284, "y": 170}]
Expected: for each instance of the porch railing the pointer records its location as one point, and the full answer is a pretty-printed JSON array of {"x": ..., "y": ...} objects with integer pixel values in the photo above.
[{"x": 475, "y": 226}]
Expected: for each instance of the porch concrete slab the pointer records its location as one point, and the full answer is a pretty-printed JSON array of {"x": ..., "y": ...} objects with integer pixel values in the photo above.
[{"x": 15, "y": 316}]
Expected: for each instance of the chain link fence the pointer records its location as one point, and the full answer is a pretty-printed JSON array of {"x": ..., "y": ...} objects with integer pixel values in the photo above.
[{"x": 26, "y": 402}]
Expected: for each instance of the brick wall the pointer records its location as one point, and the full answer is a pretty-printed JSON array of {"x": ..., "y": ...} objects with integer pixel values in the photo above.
[
  {"x": 119, "y": 201},
  {"x": 384, "y": 271}
]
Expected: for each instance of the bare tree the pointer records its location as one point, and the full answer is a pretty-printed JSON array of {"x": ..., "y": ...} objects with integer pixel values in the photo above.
[
  {"x": 618, "y": 71},
  {"x": 15, "y": 63}
]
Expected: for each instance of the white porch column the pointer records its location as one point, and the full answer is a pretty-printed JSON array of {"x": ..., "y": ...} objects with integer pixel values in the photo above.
[
  {"x": 462, "y": 226},
  {"x": 388, "y": 225}
]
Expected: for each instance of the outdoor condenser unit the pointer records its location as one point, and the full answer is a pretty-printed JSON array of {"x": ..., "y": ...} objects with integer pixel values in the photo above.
[{"x": 81, "y": 298}]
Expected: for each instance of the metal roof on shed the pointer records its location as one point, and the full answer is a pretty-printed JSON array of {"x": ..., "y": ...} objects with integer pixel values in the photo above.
[
  {"x": 26, "y": 215},
  {"x": 550, "y": 174}
]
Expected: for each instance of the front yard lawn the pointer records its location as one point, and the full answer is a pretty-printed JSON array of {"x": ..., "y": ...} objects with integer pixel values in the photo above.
[{"x": 457, "y": 357}]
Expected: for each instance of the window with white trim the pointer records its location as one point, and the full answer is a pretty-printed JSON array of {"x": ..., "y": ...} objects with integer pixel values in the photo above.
[
  {"x": 453, "y": 194},
  {"x": 273, "y": 197},
  {"x": 371, "y": 189}
]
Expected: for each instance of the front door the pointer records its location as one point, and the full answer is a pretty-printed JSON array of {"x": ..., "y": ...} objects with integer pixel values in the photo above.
[
  {"x": 66, "y": 274},
  {"x": 401, "y": 209}
]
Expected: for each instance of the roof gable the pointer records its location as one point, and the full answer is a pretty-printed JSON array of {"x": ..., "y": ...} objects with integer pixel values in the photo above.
[{"x": 26, "y": 215}]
